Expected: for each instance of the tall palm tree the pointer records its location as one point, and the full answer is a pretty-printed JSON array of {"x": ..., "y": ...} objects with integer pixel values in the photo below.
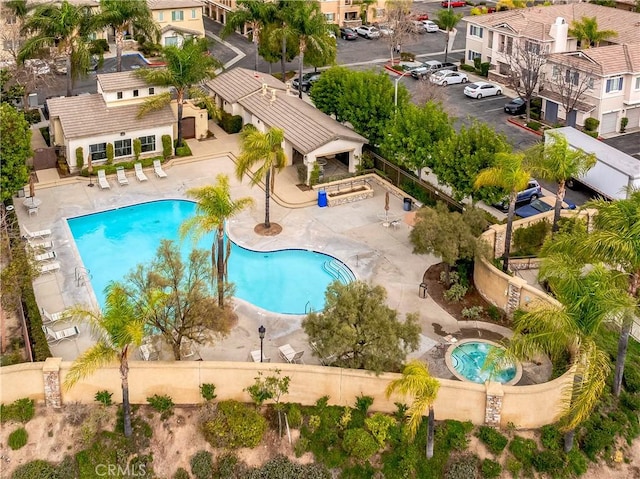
[
  {"x": 266, "y": 150},
  {"x": 418, "y": 382},
  {"x": 509, "y": 173},
  {"x": 558, "y": 162},
  {"x": 256, "y": 14},
  {"x": 187, "y": 66},
  {"x": 586, "y": 31},
  {"x": 119, "y": 329},
  {"x": 123, "y": 16},
  {"x": 214, "y": 208},
  {"x": 65, "y": 27},
  {"x": 448, "y": 19},
  {"x": 613, "y": 239}
]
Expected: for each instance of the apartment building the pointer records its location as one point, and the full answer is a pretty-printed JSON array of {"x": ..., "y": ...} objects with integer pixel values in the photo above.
[
  {"x": 177, "y": 19},
  {"x": 577, "y": 81}
]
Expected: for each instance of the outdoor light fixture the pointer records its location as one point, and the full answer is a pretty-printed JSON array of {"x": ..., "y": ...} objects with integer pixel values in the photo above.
[{"x": 261, "y": 331}]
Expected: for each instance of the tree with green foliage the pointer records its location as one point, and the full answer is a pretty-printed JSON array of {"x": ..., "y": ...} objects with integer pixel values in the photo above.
[
  {"x": 556, "y": 161},
  {"x": 118, "y": 329},
  {"x": 263, "y": 150},
  {"x": 413, "y": 136},
  {"x": 11, "y": 91},
  {"x": 270, "y": 387},
  {"x": 214, "y": 208},
  {"x": 271, "y": 49},
  {"x": 64, "y": 26},
  {"x": 416, "y": 381},
  {"x": 123, "y": 16},
  {"x": 15, "y": 149},
  {"x": 447, "y": 20},
  {"x": 364, "y": 9},
  {"x": 186, "y": 66},
  {"x": 359, "y": 330},
  {"x": 448, "y": 234},
  {"x": 462, "y": 156},
  {"x": 324, "y": 56},
  {"x": 510, "y": 173},
  {"x": 327, "y": 92},
  {"x": 586, "y": 32}
]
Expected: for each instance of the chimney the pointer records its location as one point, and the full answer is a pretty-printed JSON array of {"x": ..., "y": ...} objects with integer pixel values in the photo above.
[
  {"x": 559, "y": 32},
  {"x": 264, "y": 89}
]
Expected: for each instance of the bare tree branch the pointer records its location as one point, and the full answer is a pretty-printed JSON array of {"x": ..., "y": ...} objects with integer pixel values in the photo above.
[{"x": 526, "y": 61}]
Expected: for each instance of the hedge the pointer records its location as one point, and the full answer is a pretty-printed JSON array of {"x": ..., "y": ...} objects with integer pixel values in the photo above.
[
  {"x": 127, "y": 165},
  {"x": 167, "y": 149},
  {"x": 230, "y": 123}
]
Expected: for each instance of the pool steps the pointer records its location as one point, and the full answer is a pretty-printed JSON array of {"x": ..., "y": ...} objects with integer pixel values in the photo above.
[{"x": 339, "y": 271}]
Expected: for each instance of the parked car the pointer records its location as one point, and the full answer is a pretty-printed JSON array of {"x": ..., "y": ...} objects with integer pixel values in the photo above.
[
  {"x": 448, "y": 77},
  {"x": 430, "y": 27},
  {"x": 453, "y": 3},
  {"x": 386, "y": 31},
  {"x": 422, "y": 16},
  {"x": 348, "y": 34},
  {"x": 368, "y": 31},
  {"x": 516, "y": 106},
  {"x": 482, "y": 89},
  {"x": 417, "y": 27},
  {"x": 542, "y": 205},
  {"x": 430, "y": 66},
  {"x": 308, "y": 79},
  {"x": 60, "y": 66},
  {"x": 38, "y": 67},
  {"x": 533, "y": 191}
]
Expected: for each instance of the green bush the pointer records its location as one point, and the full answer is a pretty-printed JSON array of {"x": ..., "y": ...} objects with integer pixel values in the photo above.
[
  {"x": 202, "y": 465},
  {"x": 79, "y": 157},
  {"x": 21, "y": 410},
  {"x": 294, "y": 416},
  {"x": 407, "y": 56},
  {"x": 472, "y": 313},
  {"x": 280, "y": 467},
  {"x": 18, "y": 438},
  {"x": 534, "y": 125},
  {"x": 110, "y": 153},
  {"x": 514, "y": 467},
  {"x": 467, "y": 68},
  {"x": 624, "y": 121},
  {"x": 234, "y": 425},
  {"x": 630, "y": 401},
  {"x": 163, "y": 404},
  {"x": 230, "y": 123},
  {"x": 225, "y": 466},
  {"x": 378, "y": 425},
  {"x": 534, "y": 116},
  {"x": 104, "y": 397},
  {"x": 523, "y": 450},
  {"x": 548, "y": 462},
  {"x": 167, "y": 149},
  {"x": 455, "y": 293},
  {"x": 464, "y": 466},
  {"x": 484, "y": 69},
  {"x": 477, "y": 62},
  {"x": 127, "y": 165},
  {"x": 577, "y": 463},
  {"x": 551, "y": 437},
  {"x": 592, "y": 134},
  {"x": 454, "y": 434},
  {"x": 631, "y": 379},
  {"x": 32, "y": 116},
  {"x": 527, "y": 241},
  {"x": 491, "y": 469},
  {"x": 183, "y": 150},
  {"x": 36, "y": 470},
  {"x": 181, "y": 473},
  {"x": 494, "y": 440},
  {"x": 359, "y": 443},
  {"x": 41, "y": 349},
  {"x": 494, "y": 312},
  {"x": 98, "y": 46},
  {"x": 591, "y": 124},
  {"x": 137, "y": 148},
  {"x": 208, "y": 391},
  {"x": 598, "y": 436}
]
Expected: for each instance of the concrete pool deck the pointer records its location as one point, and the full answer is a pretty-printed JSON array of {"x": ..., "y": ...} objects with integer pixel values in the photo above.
[{"x": 353, "y": 233}]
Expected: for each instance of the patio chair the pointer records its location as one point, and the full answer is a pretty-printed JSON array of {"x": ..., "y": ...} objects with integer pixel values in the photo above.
[
  {"x": 29, "y": 235},
  {"x": 290, "y": 355},
  {"x": 186, "y": 349},
  {"x": 50, "y": 267},
  {"x": 41, "y": 246},
  {"x": 139, "y": 173},
  {"x": 103, "y": 183},
  {"x": 58, "y": 336},
  {"x": 148, "y": 352},
  {"x": 255, "y": 355},
  {"x": 50, "y": 318},
  {"x": 122, "y": 177},
  {"x": 324, "y": 360},
  {"x": 157, "y": 167},
  {"x": 48, "y": 256},
  {"x": 33, "y": 211}
]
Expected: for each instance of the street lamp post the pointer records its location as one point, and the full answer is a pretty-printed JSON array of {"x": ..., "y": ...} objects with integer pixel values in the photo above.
[
  {"x": 261, "y": 331},
  {"x": 395, "y": 92}
]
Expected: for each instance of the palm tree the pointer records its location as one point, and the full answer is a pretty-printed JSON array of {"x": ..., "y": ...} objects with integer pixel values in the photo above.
[
  {"x": 448, "y": 19},
  {"x": 557, "y": 162},
  {"x": 65, "y": 27},
  {"x": 266, "y": 149},
  {"x": 125, "y": 15},
  {"x": 586, "y": 32},
  {"x": 613, "y": 239},
  {"x": 213, "y": 209},
  {"x": 255, "y": 13},
  {"x": 510, "y": 174},
  {"x": 118, "y": 329},
  {"x": 364, "y": 9},
  {"x": 418, "y": 382},
  {"x": 187, "y": 66}
]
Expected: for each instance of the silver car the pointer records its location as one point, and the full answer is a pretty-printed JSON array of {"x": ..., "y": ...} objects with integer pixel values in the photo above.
[{"x": 368, "y": 31}]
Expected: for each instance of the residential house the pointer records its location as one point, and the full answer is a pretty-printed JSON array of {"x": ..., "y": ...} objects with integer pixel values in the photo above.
[
  {"x": 177, "y": 19},
  {"x": 601, "y": 82},
  {"x": 91, "y": 121},
  {"x": 264, "y": 101}
]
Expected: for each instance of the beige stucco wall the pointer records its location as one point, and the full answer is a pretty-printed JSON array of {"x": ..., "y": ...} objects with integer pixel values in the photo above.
[
  {"x": 21, "y": 380},
  {"x": 190, "y": 110}
]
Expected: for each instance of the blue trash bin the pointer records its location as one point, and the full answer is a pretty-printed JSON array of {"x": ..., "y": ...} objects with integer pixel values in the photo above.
[
  {"x": 322, "y": 198},
  {"x": 407, "y": 204}
]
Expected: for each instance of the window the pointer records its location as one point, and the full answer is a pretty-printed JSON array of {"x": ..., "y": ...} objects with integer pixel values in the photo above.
[
  {"x": 98, "y": 151},
  {"x": 161, "y": 16},
  {"x": 135, "y": 93},
  {"x": 532, "y": 47},
  {"x": 122, "y": 148},
  {"x": 147, "y": 143},
  {"x": 590, "y": 83},
  {"x": 152, "y": 91},
  {"x": 329, "y": 17},
  {"x": 171, "y": 41},
  {"x": 471, "y": 55},
  {"x": 194, "y": 13},
  {"x": 475, "y": 31},
  {"x": 637, "y": 87},
  {"x": 490, "y": 40},
  {"x": 509, "y": 45},
  {"x": 119, "y": 95},
  {"x": 177, "y": 15},
  {"x": 572, "y": 77},
  {"x": 614, "y": 84},
  {"x": 555, "y": 71}
]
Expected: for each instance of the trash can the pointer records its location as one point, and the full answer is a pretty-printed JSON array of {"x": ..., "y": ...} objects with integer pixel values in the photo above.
[
  {"x": 407, "y": 204},
  {"x": 422, "y": 290},
  {"x": 322, "y": 198}
]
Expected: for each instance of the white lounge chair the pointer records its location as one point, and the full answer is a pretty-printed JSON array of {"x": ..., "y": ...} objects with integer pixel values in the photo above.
[
  {"x": 48, "y": 256},
  {"x": 255, "y": 355},
  {"x": 290, "y": 355},
  {"x": 49, "y": 267},
  {"x": 102, "y": 180},
  {"x": 122, "y": 177},
  {"x": 41, "y": 246},
  {"x": 157, "y": 167},
  {"x": 57, "y": 336},
  {"x": 50, "y": 318},
  {"x": 29, "y": 235},
  {"x": 139, "y": 173},
  {"x": 148, "y": 352}
]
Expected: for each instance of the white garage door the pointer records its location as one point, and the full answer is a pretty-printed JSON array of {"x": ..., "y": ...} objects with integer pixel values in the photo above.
[
  {"x": 609, "y": 123},
  {"x": 634, "y": 118}
]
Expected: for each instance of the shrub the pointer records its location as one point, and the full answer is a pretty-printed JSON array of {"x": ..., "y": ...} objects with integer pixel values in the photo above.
[
  {"x": 294, "y": 416},
  {"x": 534, "y": 115},
  {"x": 592, "y": 134},
  {"x": 110, "y": 153},
  {"x": 534, "y": 125},
  {"x": 514, "y": 467},
  {"x": 183, "y": 150},
  {"x": 527, "y": 241},
  {"x": 484, "y": 69},
  {"x": 476, "y": 63},
  {"x": 455, "y": 293},
  {"x": 21, "y": 410},
  {"x": 79, "y": 157},
  {"x": 631, "y": 379},
  {"x": 467, "y": 68},
  {"x": 32, "y": 116},
  {"x": 225, "y": 466},
  {"x": 163, "y": 404},
  {"x": 624, "y": 121},
  {"x": 491, "y": 469},
  {"x": 523, "y": 450},
  {"x": 363, "y": 403},
  {"x": 494, "y": 312},
  {"x": 454, "y": 434},
  {"x": 280, "y": 467},
  {"x": 378, "y": 425},
  {"x": 36, "y": 470},
  {"x": 359, "y": 443},
  {"x": 462, "y": 467},
  {"x": 208, "y": 391},
  {"x": 166, "y": 147},
  {"x": 202, "y": 465},
  {"x": 494, "y": 440},
  {"x": 98, "y": 46},
  {"x": 18, "y": 438},
  {"x": 591, "y": 124},
  {"x": 314, "y": 176},
  {"x": 407, "y": 56},
  {"x": 104, "y": 397},
  {"x": 548, "y": 462},
  {"x": 234, "y": 425},
  {"x": 137, "y": 148},
  {"x": 181, "y": 473},
  {"x": 551, "y": 437},
  {"x": 472, "y": 313},
  {"x": 230, "y": 123},
  {"x": 577, "y": 463}
]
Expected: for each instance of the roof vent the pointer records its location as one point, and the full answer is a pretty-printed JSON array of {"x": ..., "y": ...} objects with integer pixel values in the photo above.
[
  {"x": 264, "y": 89},
  {"x": 273, "y": 95}
]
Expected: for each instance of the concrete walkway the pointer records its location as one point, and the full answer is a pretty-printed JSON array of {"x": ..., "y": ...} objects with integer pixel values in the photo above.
[{"x": 353, "y": 233}]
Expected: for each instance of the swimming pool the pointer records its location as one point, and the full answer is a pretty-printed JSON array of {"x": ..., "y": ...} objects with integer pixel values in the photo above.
[{"x": 111, "y": 243}]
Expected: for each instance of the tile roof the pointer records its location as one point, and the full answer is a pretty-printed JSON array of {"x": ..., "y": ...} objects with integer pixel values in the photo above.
[
  {"x": 167, "y": 4},
  {"x": 176, "y": 28},
  {"x": 240, "y": 82},
  {"x": 535, "y": 22},
  {"x": 121, "y": 81},
  {"x": 88, "y": 115},
  {"x": 604, "y": 61}
]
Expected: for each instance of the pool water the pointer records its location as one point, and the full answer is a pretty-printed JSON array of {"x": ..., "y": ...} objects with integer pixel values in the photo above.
[
  {"x": 113, "y": 242},
  {"x": 468, "y": 360}
]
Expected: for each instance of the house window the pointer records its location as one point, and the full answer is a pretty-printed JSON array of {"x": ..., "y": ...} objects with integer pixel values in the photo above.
[
  {"x": 147, "y": 143},
  {"x": 475, "y": 31},
  {"x": 194, "y": 13},
  {"x": 571, "y": 77},
  {"x": 350, "y": 16},
  {"x": 637, "y": 87},
  {"x": 590, "y": 83},
  {"x": 122, "y": 148},
  {"x": 119, "y": 95},
  {"x": 135, "y": 93},
  {"x": 98, "y": 151},
  {"x": 152, "y": 91},
  {"x": 161, "y": 16},
  {"x": 329, "y": 17},
  {"x": 490, "y": 40},
  {"x": 177, "y": 15},
  {"x": 532, "y": 47},
  {"x": 509, "y": 45},
  {"x": 171, "y": 41},
  {"x": 471, "y": 55},
  {"x": 614, "y": 84}
]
